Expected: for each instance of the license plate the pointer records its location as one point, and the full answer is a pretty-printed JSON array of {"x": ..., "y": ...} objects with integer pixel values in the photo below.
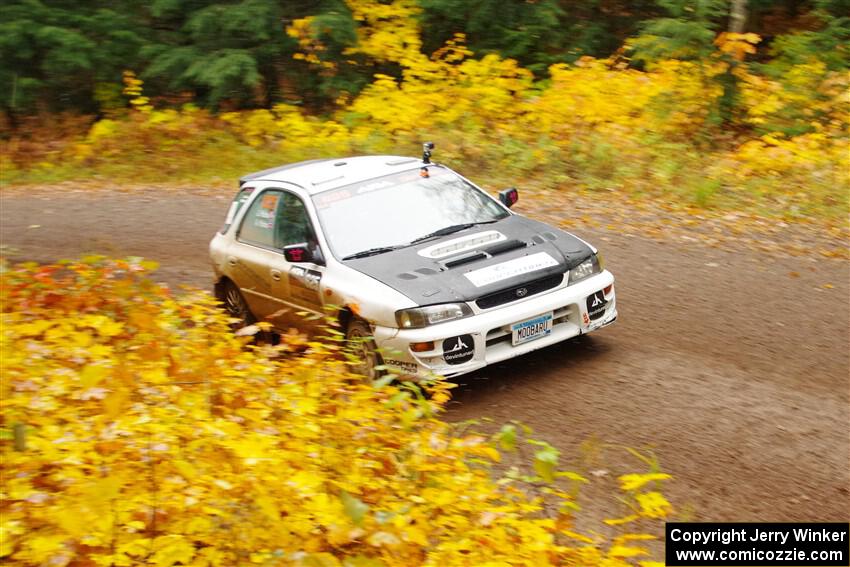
[{"x": 531, "y": 329}]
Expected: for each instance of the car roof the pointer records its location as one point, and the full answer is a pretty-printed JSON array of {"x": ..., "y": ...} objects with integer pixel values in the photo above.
[{"x": 317, "y": 175}]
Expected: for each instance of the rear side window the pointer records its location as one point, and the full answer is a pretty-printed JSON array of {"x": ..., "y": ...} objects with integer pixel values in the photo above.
[
  {"x": 240, "y": 199},
  {"x": 258, "y": 226}
]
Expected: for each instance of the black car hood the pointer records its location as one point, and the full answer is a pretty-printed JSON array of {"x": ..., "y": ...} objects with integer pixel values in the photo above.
[{"x": 428, "y": 281}]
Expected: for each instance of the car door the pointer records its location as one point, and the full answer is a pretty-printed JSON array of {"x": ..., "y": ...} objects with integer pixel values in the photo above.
[
  {"x": 300, "y": 283},
  {"x": 255, "y": 257}
]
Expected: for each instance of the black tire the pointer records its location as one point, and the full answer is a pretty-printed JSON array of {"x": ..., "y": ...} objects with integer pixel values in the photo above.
[
  {"x": 236, "y": 306},
  {"x": 360, "y": 343}
]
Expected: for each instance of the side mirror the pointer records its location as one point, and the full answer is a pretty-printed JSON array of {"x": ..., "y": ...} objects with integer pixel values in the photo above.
[
  {"x": 295, "y": 253},
  {"x": 509, "y": 196}
]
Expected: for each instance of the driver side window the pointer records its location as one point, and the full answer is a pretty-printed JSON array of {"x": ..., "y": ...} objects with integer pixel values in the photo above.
[{"x": 292, "y": 225}]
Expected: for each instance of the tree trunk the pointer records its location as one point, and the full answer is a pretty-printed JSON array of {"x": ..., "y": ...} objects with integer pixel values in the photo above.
[{"x": 738, "y": 16}]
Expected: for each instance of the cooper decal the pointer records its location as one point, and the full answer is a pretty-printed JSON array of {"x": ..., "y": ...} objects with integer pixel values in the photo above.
[
  {"x": 457, "y": 350},
  {"x": 409, "y": 367}
]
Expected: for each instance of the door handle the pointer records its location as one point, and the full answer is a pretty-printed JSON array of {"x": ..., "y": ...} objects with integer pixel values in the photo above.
[
  {"x": 276, "y": 275},
  {"x": 232, "y": 261}
]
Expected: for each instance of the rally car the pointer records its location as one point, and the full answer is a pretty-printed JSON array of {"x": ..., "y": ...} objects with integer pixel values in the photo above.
[{"x": 425, "y": 272}]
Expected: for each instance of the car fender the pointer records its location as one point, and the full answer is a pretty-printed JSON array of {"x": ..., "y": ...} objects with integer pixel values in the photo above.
[{"x": 364, "y": 296}]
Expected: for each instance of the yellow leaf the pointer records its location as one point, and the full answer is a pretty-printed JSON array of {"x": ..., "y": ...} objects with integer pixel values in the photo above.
[
  {"x": 268, "y": 507},
  {"x": 415, "y": 535},
  {"x": 636, "y": 481},
  {"x": 578, "y": 536},
  {"x": 109, "y": 328},
  {"x": 322, "y": 559},
  {"x": 626, "y": 551},
  {"x": 7, "y": 531},
  {"x": 92, "y": 374},
  {"x": 113, "y": 404},
  {"x": 42, "y": 548},
  {"x": 620, "y": 521},
  {"x": 381, "y": 539},
  {"x": 653, "y": 505},
  {"x": 185, "y": 469},
  {"x": 172, "y": 549}
]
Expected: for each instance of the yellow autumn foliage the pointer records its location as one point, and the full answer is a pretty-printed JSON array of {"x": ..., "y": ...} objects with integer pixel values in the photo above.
[
  {"x": 136, "y": 429},
  {"x": 595, "y": 124}
]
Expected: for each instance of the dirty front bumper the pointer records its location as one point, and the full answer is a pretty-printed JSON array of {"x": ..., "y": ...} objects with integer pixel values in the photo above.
[{"x": 486, "y": 337}]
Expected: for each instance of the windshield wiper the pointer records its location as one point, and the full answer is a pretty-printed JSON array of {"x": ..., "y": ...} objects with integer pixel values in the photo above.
[
  {"x": 373, "y": 251},
  {"x": 450, "y": 230}
]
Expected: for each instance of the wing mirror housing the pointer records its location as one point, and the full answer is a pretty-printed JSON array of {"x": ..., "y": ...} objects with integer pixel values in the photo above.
[
  {"x": 298, "y": 253},
  {"x": 509, "y": 196}
]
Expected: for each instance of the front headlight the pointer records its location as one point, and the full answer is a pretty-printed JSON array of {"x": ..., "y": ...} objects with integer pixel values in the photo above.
[
  {"x": 589, "y": 267},
  {"x": 418, "y": 317}
]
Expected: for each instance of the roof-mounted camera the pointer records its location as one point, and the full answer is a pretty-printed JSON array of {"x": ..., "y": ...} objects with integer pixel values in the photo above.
[{"x": 426, "y": 152}]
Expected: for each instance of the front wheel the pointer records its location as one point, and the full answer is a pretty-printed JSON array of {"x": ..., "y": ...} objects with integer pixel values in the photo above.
[{"x": 361, "y": 345}]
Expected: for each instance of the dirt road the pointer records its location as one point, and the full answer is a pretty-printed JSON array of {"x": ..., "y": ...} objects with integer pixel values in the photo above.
[{"x": 733, "y": 366}]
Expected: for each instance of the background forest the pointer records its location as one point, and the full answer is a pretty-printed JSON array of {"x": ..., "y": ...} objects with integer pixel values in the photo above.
[{"x": 701, "y": 102}]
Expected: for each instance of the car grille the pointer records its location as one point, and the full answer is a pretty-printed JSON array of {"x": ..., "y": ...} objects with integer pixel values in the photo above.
[{"x": 515, "y": 293}]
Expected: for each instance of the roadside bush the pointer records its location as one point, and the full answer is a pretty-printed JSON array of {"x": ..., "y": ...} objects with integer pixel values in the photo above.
[
  {"x": 137, "y": 429},
  {"x": 595, "y": 124}
]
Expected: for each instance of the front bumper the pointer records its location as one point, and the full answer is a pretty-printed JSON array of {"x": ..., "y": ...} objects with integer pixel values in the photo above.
[{"x": 490, "y": 330}]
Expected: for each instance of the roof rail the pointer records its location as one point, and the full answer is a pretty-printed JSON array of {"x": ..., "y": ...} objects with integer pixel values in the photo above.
[{"x": 257, "y": 174}]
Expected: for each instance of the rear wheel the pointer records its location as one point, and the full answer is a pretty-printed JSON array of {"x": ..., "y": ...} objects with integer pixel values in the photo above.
[
  {"x": 358, "y": 335},
  {"x": 236, "y": 306}
]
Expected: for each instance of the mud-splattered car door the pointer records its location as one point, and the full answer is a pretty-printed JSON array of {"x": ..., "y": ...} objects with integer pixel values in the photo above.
[
  {"x": 254, "y": 253},
  {"x": 299, "y": 284}
]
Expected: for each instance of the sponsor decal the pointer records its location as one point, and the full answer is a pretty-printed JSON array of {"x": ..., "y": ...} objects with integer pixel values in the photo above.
[
  {"x": 325, "y": 200},
  {"x": 511, "y": 268},
  {"x": 409, "y": 367},
  {"x": 264, "y": 217},
  {"x": 596, "y": 305},
  {"x": 586, "y": 319},
  {"x": 304, "y": 279},
  {"x": 457, "y": 350},
  {"x": 269, "y": 201}
]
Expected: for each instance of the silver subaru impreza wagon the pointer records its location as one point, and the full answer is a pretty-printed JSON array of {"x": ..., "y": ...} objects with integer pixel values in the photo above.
[{"x": 425, "y": 272}]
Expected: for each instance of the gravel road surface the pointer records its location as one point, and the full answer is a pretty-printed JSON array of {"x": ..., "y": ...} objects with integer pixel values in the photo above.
[{"x": 731, "y": 366}]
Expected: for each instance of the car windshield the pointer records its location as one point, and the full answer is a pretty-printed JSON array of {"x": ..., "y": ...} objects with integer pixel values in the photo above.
[{"x": 394, "y": 210}]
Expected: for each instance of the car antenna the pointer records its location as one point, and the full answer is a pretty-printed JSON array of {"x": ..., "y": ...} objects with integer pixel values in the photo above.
[{"x": 426, "y": 158}]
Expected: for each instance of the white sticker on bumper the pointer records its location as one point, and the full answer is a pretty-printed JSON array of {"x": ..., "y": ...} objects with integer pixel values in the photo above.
[{"x": 505, "y": 270}]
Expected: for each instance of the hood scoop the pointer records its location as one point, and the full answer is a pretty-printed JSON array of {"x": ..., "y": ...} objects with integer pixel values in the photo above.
[
  {"x": 513, "y": 255},
  {"x": 470, "y": 255},
  {"x": 412, "y": 275},
  {"x": 505, "y": 246},
  {"x": 465, "y": 259},
  {"x": 463, "y": 244}
]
